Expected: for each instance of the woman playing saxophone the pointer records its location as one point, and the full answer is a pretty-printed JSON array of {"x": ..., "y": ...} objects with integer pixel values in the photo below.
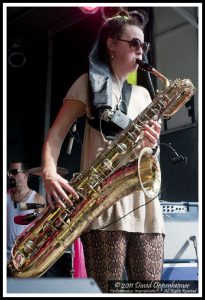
[{"x": 123, "y": 238}]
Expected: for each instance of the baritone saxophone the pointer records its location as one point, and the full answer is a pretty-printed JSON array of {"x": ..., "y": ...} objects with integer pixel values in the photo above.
[{"x": 103, "y": 183}]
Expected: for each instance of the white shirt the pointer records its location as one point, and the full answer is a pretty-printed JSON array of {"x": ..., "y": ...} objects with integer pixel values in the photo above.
[{"x": 13, "y": 229}]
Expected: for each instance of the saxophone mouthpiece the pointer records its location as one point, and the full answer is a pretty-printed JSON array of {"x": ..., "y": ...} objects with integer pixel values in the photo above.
[
  {"x": 146, "y": 67},
  {"x": 143, "y": 65}
]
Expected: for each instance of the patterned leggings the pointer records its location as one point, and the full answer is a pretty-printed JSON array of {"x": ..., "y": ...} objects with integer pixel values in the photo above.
[{"x": 108, "y": 253}]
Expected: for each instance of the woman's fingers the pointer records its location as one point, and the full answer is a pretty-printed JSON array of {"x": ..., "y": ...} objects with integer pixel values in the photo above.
[
  {"x": 59, "y": 193},
  {"x": 49, "y": 200},
  {"x": 69, "y": 188},
  {"x": 152, "y": 133},
  {"x": 58, "y": 199},
  {"x": 156, "y": 126},
  {"x": 57, "y": 189}
]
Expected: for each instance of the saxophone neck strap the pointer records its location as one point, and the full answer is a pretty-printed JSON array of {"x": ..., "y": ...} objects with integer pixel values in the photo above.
[
  {"x": 119, "y": 121},
  {"x": 126, "y": 94}
]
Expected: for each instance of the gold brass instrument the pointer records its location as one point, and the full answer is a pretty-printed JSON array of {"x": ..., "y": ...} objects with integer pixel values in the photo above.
[{"x": 106, "y": 180}]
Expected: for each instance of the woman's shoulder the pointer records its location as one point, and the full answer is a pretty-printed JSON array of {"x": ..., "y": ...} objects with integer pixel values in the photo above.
[
  {"x": 79, "y": 89},
  {"x": 82, "y": 78},
  {"x": 80, "y": 82}
]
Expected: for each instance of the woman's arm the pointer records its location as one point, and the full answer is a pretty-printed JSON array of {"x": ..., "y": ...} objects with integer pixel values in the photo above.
[{"x": 55, "y": 185}]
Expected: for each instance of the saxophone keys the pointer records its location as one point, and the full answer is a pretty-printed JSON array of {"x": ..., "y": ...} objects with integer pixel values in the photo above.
[
  {"x": 29, "y": 246},
  {"x": 107, "y": 164},
  {"x": 132, "y": 136},
  {"x": 122, "y": 148},
  {"x": 94, "y": 179},
  {"x": 19, "y": 260},
  {"x": 155, "y": 117}
]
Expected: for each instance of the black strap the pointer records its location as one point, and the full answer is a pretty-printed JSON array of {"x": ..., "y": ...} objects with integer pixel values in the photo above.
[
  {"x": 126, "y": 94},
  {"x": 109, "y": 129}
]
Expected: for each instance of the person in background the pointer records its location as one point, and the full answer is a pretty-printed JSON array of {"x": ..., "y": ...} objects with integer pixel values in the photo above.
[
  {"x": 23, "y": 203},
  {"x": 23, "y": 206},
  {"x": 122, "y": 237}
]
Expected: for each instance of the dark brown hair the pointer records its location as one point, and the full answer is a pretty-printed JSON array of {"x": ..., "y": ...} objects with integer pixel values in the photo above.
[
  {"x": 22, "y": 161},
  {"x": 115, "y": 21}
]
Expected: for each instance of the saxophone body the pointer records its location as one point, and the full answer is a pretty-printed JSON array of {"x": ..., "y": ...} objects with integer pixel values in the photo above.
[{"x": 108, "y": 179}]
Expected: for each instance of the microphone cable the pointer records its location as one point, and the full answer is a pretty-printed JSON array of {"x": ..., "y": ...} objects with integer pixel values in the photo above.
[{"x": 129, "y": 213}]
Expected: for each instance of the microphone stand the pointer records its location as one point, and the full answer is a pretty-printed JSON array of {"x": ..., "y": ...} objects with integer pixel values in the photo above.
[{"x": 71, "y": 138}]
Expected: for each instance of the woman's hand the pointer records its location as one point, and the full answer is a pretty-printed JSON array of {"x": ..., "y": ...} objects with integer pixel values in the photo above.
[
  {"x": 151, "y": 134},
  {"x": 56, "y": 189}
]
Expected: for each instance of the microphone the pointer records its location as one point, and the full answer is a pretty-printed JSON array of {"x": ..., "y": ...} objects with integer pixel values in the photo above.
[
  {"x": 25, "y": 219},
  {"x": 71, "y": 139},
  {"x": 177, "y": 159},
  {"x": 27, "y": 206}
]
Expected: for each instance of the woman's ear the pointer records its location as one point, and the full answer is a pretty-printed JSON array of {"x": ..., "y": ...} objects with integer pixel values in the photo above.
[{"x": 111, "y": 43}]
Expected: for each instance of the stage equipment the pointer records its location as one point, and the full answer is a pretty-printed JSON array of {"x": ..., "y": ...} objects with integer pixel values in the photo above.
[
  {"x": 52, "y": 285},
  {"x": 27, "y": 206},
  {"x": 181, "y": 241},
  {"x": 89, "y": 9},
  {"x": 106, "y": 180},
  {"x": 25, "y": 219},
  {"x": 71, "y": 138},
  {"x": 16, "y": 56},
  {"x": 177, "y": 158}
]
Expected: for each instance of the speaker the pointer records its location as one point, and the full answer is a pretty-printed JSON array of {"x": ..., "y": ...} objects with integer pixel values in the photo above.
[
  {"x": 52, "y": 285},
  {"x": 180, "y": 181},
  {"x": 181, "y": 226},
  {"x": 180, "y": 244}
]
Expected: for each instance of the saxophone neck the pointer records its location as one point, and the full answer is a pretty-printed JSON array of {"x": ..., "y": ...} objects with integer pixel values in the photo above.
[{"x": 146, "y": 67}]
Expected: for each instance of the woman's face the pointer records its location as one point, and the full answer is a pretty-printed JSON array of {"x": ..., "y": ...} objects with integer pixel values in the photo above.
[{"x": 124, "y": 60}]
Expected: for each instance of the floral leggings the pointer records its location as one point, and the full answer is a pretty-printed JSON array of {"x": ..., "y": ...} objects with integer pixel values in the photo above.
[{"x": 109, "y": 253}]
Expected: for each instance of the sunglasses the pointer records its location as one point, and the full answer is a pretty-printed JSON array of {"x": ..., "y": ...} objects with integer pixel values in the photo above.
[
  {"x": 15, "y": 172},
  {"x": 136, "y": 44}
]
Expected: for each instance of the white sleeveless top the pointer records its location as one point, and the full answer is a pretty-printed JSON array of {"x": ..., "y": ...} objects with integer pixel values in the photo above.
[{"x": 13, "y": 230}]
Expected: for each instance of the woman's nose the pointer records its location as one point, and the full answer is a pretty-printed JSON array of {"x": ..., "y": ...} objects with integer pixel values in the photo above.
[{"x": 139, "y": 51}]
